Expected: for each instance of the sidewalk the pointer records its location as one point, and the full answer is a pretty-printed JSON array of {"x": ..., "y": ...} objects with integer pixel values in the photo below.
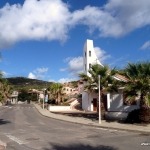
[{"x": 109, "y": 125}]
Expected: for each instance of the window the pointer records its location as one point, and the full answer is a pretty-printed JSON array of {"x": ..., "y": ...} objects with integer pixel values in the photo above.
[
  {"x": 85, "y": 67},
  {"x": 89, "y": 53},
  {"x": 85, "y": 54},
  {"x": 90, "y": 66}
]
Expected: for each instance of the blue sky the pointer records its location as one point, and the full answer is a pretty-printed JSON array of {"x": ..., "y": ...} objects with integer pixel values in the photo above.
[{"x": 44, "y": 39}]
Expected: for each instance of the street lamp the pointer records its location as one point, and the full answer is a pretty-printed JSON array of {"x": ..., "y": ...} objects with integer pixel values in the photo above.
[
  {"x": 44, "y": 97},
  {"x": 99, "y": 99}
]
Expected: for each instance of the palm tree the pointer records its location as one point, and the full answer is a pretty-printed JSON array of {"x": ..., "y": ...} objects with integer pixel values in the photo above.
[
  {"x": 107, "y": 82},
  {"x": 138, "y": 84},
  {"x": 56, "y": 91},
  {"x": 138, "y": 76}
]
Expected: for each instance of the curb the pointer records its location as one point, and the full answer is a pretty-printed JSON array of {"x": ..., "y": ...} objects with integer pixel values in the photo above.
[{"x": 94, "y": 125}]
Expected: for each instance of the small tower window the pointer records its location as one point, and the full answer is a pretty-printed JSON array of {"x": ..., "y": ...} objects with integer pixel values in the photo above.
[
  {"x": 89, "y": 53},
  {"x": 85, "y": 54},
  {"x": 90, "y": 66}
]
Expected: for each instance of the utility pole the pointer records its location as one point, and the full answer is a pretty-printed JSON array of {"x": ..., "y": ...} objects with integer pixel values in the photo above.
[{"x": 99, "y": 98}]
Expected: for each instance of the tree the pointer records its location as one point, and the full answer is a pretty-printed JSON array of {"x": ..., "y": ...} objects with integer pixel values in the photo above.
[
  {"x": 138, "y": 76},
  {"x": 138, "y": 84},
  {"x": 56, "y": 91},
  {"x": 5, "y": 89},
  {"x": 107, "y": 82},
  {"x": 24, "y": 95}
]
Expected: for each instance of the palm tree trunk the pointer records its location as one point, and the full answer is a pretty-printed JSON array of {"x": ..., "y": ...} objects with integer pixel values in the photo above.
[{"x": 142, "y": 100}]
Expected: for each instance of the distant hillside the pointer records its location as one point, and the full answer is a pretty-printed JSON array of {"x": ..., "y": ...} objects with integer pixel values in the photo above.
[{"x": 22, "y": 82}]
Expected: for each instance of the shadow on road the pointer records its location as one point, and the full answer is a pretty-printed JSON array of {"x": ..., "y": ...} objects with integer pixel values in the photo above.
[
  {"x": 79, "y": 147},
  {"x": 2, "y": 121},
  {"x": 91, "y": 116}
]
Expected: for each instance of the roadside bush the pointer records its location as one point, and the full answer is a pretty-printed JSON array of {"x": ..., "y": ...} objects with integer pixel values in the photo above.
[
  {"x": 144, "y": 114},
  {"x": 133, "y": 116},
  {"x": 51, "y": 101}
]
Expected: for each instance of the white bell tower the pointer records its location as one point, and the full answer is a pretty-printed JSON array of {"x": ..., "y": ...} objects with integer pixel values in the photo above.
[{"x": 89, "y": 56}]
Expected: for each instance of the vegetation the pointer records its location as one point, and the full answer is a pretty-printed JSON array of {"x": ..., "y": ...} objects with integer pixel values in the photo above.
[
  {"x": 5, "y": 89},
  {"x": 56, "y": 92},
  {"x": 107, "y": 82},
  {"x": 23, "y": 95},
  {"x": 138, "y": 85},
  {"x": 26, "y": 83},
  {"x": 138, "y": 82}
]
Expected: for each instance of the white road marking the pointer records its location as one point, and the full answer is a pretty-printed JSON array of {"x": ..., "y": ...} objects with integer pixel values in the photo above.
[
  {"x": 102, "y": 128},
  {"x": 111, "y": 130},
  {"x": 15, "y": 139}
]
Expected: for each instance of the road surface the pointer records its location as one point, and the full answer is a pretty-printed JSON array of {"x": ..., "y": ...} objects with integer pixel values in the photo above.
[{"x": 23, "y": 128}]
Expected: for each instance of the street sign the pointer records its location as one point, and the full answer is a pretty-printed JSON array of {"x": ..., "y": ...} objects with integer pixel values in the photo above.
[{"x": 46, "y": 98}]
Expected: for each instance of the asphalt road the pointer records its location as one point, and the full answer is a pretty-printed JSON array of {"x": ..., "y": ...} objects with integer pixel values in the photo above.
[{"x": 23, "y": 128}]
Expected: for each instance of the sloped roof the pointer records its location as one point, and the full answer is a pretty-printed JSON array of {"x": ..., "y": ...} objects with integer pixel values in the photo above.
[{"x": 120, "y": 77}]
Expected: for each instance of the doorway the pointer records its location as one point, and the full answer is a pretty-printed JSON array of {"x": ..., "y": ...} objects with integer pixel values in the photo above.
[{"x": 94, "y": 104}]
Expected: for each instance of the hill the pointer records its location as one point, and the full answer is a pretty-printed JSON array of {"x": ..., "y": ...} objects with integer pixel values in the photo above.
[{"x": 22, "y": 82}]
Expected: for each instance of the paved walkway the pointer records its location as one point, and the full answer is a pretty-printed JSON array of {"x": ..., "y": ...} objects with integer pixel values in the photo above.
[{"x": 89, "y": 122}]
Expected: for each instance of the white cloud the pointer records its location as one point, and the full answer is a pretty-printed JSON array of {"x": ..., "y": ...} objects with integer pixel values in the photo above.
[
  {"x": 38, "y": 73},
  {"x": 75, "y": 64},
  {"x": 64, "y": 80},
  {"x": 41, "y": 70},
  {"x": 51, "y": 20},
  {"x": 146, "y": 45},
  {"x": 44, "y": 19},
  {"x": 101, "y": 54},
  {"x": 63, "y": 69},
  {"x": 5, "y": 74},
  {"x": 116, "y": 18},
  {"x": 32, "y": 76}
]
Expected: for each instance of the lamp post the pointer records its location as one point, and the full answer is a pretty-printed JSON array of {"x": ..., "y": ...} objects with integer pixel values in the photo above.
[
  {"x": 99, "y": 98},
  {"x": 44, "y": 97}
]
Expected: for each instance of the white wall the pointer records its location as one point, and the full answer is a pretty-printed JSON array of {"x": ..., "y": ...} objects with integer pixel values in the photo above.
[
  {"x": 87, "y": 99},
  {"x": 93, "y": 59},
  {"x": 86, "y": 104},
  {"x": 115, "y": 103},
  {"x": 59, "y": 108}
]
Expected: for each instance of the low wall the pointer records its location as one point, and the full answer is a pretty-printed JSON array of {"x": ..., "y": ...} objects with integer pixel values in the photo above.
[
  {"x": 59, "y": 108},
  {"x": 116, "y": 115}
]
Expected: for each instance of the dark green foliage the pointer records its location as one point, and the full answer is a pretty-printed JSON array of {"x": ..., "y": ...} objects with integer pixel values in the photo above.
[
  {"x": 51, "y": 101},
  {"x": 24, "y": 95},
  {"x": 26, "y": 83},
  {"x": 133, "y": 116},
  {"x": 138, "y": 83},
  {"x": 141, "y": 115}
]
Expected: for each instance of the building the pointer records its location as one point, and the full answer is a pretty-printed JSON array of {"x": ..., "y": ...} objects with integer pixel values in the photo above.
[
  {"x": 114, "y": 102},
  {"x": 14, "y": 97},
  {"x": 89, "y": 100},
  {"x": 69, "y": 90},
  {"x": 89, "y": 56}
]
